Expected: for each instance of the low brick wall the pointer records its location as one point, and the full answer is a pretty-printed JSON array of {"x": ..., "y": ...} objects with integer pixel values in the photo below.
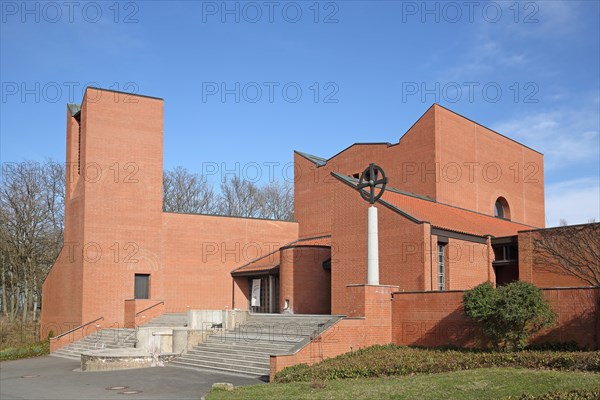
[
  {"x": 368, "y": 323},
  {"x": 433, "y": 319},
  {"x": 437, "y": 319},
  {"x": 346, "y": 335},
  {"x": 578, "y": 317}
]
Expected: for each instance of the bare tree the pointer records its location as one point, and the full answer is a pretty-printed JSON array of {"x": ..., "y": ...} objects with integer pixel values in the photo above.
[
  {"x": 240, "y": 198},
  {"x": 31, "y": 209},
  {"x": 186, "y": 192},
  {"x": 278, "y": 201},
  {"x": 563, "y": 222},
  {"x": 574, "y": 250}
]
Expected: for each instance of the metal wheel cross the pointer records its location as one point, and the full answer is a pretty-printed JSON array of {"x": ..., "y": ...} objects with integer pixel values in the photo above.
[{"x": 372, "y": 177}]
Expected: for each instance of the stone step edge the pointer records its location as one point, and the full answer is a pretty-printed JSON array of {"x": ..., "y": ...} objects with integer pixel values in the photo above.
[{"x": 228, "y": 370}]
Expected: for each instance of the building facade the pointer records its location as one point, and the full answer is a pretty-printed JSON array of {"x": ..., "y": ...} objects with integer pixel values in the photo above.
[{"x": 459, "y": 203}]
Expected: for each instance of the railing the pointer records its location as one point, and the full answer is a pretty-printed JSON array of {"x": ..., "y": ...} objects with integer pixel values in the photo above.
[
  {"x": 148, "y": 308},
  {"x": 76, "y": 328}
]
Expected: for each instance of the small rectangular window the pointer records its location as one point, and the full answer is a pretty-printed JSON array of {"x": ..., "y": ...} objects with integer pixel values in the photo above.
[
  {"x": 142, "y": 286},
  {"x": 441, "y": 268}
]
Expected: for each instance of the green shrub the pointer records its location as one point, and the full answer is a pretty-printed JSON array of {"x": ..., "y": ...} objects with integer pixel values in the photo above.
[
  {"x": 509, "y": 314},
  {"x": 391, "y": 360},
  {"x": 555, "y": 346}
]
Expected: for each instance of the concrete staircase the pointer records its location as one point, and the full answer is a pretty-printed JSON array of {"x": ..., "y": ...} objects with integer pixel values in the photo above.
[
  {"x": 245, "y": 350},
  {"x": 102, "y": 339},
  {"x": 168, "y": 320}
]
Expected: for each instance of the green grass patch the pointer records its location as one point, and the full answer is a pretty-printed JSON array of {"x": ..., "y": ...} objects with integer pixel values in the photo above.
[
  {"x": 392, "y": 360},
  {"x": 483, "y": 383},
  {"x": 36, "y": 349}
]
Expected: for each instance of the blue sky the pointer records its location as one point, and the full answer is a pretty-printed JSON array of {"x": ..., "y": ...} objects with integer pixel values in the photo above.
[{"x": 366, "y": 70}]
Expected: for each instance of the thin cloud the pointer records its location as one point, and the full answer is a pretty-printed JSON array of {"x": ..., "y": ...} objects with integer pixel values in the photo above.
[
  {"x": 565, "y": 136},
  {"x": 576, "y": 201}
]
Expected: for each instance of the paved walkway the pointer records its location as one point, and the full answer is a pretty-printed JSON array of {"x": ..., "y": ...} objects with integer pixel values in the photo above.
[{"x": 57, "y": 378}]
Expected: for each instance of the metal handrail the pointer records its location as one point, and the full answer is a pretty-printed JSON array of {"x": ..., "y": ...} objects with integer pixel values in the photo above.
[
  {"x": 75, "y": 329},
  {"x": 146, "y": 309}
]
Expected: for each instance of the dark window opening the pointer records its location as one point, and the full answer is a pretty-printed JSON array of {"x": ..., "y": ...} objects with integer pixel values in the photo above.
[
  {"x": 501, "y": 209},
  {"x": 268, "y": 298},
  {"x": 507, "y": 252},
  {"x": 498, "y": 210},
  {"x": 142, "y": 286},
  {"x": 506, "y": 259},
  {"x": 441, "y": 263},
  {"x": 79, "y": 148}
]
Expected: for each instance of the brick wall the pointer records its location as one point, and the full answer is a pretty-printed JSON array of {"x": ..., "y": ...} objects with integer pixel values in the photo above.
[
  {"x": 538, "y": 266},
  {"x": 437, "y": 319},
  {"x": 303, "y": 280},
  {"x": 577, "y": 315},
  {"x": 201, "y": 251},
  {"x": 432, "y": 319},
  {"x": 477, "y": 165},
  {"x": 121, "y": 164},
  {"x": 468, "y": 264},
  {"x": 139, "y": 311}
]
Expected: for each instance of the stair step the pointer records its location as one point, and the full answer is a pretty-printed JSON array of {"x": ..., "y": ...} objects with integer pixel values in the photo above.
[
  {"x": 264, "y": 342},
  {"x": 168, "y": 320},
  {"x": 241, "y": 351},
  {"x": 248, "y": 356},
  {"x": 112, "y": 338},
  {"x": 240, "y": 371},
  {"x": 236, "y": 363},
  {"x": 246, "y": 349},
  {"x": 261, "y": 344}
]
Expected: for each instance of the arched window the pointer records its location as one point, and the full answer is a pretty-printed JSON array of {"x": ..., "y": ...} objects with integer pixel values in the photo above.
[{"x": 501, "y": 209}]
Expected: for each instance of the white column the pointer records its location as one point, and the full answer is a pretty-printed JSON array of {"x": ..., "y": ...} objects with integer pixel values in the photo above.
[{"x": 372, "y": 248}]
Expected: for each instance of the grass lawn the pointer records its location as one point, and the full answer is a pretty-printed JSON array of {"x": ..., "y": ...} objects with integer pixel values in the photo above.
[
  {"x": 19, "y": 340},
  {"x": 25, "y": 350},
  {"x": 484, "y": 383}
]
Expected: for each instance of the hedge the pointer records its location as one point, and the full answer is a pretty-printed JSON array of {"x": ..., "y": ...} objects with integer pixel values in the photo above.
[{"x": 392, "y": 360}]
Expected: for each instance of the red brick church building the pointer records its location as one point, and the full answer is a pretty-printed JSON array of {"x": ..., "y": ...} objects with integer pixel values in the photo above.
[{"x": 460, "y": 203}]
